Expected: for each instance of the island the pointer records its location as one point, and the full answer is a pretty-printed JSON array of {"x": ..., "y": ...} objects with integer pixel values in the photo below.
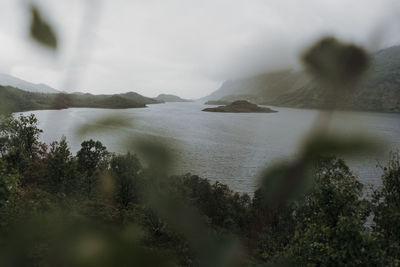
[{"x": 241, "y": 106}]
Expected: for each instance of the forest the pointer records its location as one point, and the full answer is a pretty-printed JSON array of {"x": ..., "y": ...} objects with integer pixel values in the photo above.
[{"x": 98, "y": 208}]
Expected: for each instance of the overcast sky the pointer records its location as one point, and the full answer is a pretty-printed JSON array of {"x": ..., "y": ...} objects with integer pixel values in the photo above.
[{"x": 181, "y": 47}]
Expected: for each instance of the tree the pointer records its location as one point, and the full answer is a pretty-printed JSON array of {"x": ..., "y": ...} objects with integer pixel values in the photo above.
[
  {"x": 8, "y": 182},
  {"x": 5, "y": 132},
  {"x": 61, "y": 174},
  {"x": 274, "y": 237},
  {"x": 331, "y": 218},
  {"x": 125, "y": 170},
  {"x": 93, "y": 158},
  {"x": 25, "y": 135},
  {"x": 21, "y": 148},
  {"x": 386, "y": 208},
  {"x": 224, "y": 208}
]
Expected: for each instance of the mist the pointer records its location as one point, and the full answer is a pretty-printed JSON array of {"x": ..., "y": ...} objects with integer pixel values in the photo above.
[{"x": 187, "y": 48}]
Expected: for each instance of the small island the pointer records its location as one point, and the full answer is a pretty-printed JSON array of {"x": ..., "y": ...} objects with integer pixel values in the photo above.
[{"x": 240, "y": 106}]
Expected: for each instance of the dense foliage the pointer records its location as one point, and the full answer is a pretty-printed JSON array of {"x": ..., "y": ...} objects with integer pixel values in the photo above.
[{"x": 102, "y": 209}]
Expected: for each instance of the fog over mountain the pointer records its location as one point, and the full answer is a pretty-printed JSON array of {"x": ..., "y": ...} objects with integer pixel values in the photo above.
[
  {"x": 379, "y": 89},
  {"x": 185, "y": 48},
  {"x": 8, "y": 80}
]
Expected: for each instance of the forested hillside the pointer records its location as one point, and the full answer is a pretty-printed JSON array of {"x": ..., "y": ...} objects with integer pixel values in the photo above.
[{"x": 13, "y": 100}]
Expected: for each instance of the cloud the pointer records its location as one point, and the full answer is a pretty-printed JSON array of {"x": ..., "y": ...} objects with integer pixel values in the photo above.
[{"x": 182, "y": 47}]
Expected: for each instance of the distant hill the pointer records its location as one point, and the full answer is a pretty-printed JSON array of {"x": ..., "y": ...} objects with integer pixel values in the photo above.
[
  {"x": 14, "y": 100},
  {"x": 170, "y": 98},
  {"x": 8, "y": 80},
  {"x": 379, "y": 91}
]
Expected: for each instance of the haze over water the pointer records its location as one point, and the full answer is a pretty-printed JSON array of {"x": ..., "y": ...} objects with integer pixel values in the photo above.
[{"x": 230, "y": 148}]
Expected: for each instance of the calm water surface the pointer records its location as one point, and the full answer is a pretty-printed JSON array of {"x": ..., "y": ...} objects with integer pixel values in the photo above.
[{"x": 228, "y": 147}]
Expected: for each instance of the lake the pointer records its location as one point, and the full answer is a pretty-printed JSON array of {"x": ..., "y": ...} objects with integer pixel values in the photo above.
[{"x": 231, "y": 148}]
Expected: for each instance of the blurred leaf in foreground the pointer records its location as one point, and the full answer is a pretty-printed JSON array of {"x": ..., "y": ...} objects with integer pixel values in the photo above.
[
  {"x": 336, "y": 63},
  {"x": 156, "y": 154},
  {"x": 70, "y": 239},
  {"x": 62, "y": 101},
  {"x": 211, "y": 249},
  {"x": 319, "y": 144},
  {"x": 106, "y": 123},
  {"x": 286, "y": 180},
  {"x": 279, "y": 183},
  {"x": 164, "y": 195},
  {"x": 282, "y": 183},
  {"x": 40, "y": 29}
]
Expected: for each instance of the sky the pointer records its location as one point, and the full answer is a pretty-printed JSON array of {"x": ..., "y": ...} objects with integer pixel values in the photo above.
[{"x": 183, "y": 47}]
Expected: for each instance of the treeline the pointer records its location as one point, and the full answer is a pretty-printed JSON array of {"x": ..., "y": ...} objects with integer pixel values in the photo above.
[
  {"x": 97, "y": 208},
  {"x": 16, "y": 100}
]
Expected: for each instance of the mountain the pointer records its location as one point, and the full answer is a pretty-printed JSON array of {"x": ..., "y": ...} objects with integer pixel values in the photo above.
[
  {"x": 378, "y": 91},
  {"x": 13, "y": 100},
  {"x": 261, "y": 88},
  {"x": 170, "y": 98},
  {"x": 8, "y": 80}
]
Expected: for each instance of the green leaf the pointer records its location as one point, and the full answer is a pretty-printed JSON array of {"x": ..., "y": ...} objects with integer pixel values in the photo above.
[{"x": 40, "y": 29}]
